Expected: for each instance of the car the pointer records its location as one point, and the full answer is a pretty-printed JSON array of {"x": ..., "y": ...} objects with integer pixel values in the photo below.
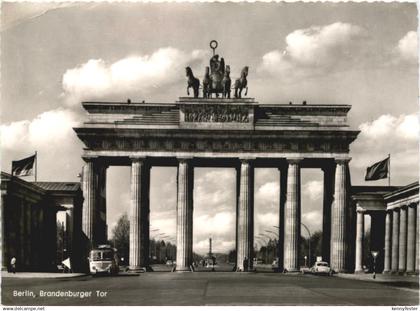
[{"x": 321, "y": 267}]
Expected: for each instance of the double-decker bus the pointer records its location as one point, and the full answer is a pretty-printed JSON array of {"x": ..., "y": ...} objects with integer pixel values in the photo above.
[{"x": 103, "y": 260}]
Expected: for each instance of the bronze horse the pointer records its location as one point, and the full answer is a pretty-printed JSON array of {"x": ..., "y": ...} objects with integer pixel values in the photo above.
[
  {"x": 192, "y": 82},
  {"x": 226, "y": 83},
  {"x": 241, "y": 83},
  {"x": 206, "y": 83}
]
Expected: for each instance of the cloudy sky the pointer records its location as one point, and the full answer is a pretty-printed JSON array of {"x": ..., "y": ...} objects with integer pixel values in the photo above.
[{"x": 54, "y": 55}]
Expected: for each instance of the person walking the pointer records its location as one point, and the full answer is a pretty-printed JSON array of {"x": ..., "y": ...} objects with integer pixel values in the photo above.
[{"x": 13, "y": 265}]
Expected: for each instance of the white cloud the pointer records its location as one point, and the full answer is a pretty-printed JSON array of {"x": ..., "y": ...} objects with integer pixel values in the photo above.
[
  {"x": 407, "y": 47},
  {"x": 314, "y": 189},
  {"x": 140, "y": 74},
  {"x": 404, "y": 127},
  {"x": 269, "y": 190},
  {"x": 51, "y": 134},
  {"x": 388, "y": 134},
  {"x": 314, "y": 50},
  {"x": 267, "y": 197},
  {"x": 219, "y": 223},
  {"x": 48, "y": 128}
]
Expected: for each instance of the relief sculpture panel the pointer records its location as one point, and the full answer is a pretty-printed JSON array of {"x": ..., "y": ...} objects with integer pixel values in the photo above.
[{"x": 216, "y": 114}]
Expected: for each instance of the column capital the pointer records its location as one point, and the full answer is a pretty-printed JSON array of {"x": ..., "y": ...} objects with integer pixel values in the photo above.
[
  {"x": 246, "y": 160},
  {"x": 294, "y": 160},
  {"x": 137, "y": 159},
  {"x": 413, "y": 204},
  {"x": 184, "y": 159},
  {"x": 89, "y": 159},
  {"x": 360, "y": 210},
  {"x": 344, "y": 160}
]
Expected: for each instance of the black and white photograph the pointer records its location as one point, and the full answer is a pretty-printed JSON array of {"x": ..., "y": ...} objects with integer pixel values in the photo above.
[{"x": 222, "y": 154}]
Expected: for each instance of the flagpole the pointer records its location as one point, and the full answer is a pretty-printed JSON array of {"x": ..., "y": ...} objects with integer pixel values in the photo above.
[
  {"x": 36, "y": 164},
  {"x": 389, "y": 169}
]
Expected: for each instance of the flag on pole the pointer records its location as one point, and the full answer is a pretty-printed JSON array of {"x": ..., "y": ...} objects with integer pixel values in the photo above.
[
  {"x": 24, "y": 167},
  {"x": 378, "y": 170}
]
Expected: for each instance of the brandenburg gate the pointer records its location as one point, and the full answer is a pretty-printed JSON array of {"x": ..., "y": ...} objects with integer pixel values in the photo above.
[{"x": 220, "y": 132}]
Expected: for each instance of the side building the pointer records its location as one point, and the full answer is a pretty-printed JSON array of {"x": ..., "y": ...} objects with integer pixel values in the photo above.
[
  {"x": 29, "y": 223},
  {"x": 394, "y": 228}
]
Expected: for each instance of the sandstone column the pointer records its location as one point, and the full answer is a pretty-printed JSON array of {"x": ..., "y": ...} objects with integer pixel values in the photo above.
[
  {"x": 417, "y": 238},
  {"x": 100, "y": 231},
  {"x": 245, "y": 217},
  {"x": 411, "y": 238},
  {"x": 283, "y": 197},
  {"x": 28, "y": 242},
  {"x": 360, "y": 231},
  {"x": 338, "y": 217},
  {"x": 139, "y": 214},
  {"x": 292, "y": 217},
  {"x": 184, "y": 222},
  {"x": 402, "y": 250},
  {"x": 4, "y": 245},
  {"x": 388, "y": 242},
  {"x": 395, "y": 239},
  {"x": 90, "y": 200},
  {"x": 326, "y": 217}
]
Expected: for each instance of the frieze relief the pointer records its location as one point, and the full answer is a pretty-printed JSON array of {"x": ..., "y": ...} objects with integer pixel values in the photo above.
[
  {"x": 216, "y": 145},
  {"x": 220, "y": 114}
]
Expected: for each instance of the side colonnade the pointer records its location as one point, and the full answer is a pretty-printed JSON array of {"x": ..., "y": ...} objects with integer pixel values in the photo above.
[
  {"x": 401, "y": 253},
  {"x": 396, "y": 232},
  {"x": 335, "y": 223}
]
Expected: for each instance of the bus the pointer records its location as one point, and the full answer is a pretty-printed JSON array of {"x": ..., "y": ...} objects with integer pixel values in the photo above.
[{"x": 103, "y": 260}]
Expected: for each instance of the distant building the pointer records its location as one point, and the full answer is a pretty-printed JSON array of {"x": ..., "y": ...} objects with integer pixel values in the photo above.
[
  {"x": 29, "y": 222},
  {"x": 394, "y": 229}
]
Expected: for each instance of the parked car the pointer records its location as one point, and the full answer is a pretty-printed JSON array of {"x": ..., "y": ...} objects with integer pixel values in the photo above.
[{"x": 321, "y": 267}]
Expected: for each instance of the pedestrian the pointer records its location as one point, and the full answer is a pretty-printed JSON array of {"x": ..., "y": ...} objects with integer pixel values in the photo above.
[
  {"x": 13, "y": 265},
  {"x": 245, "y": 264}
]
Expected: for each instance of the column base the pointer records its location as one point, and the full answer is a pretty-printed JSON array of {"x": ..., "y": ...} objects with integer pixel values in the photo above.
[
  {"x": 359, "y": 272},
  {"x": 183, "y": 269},
  {"x": 291, "y": 271},
  {"x": 387, "y": 272},
  {"x": 138, "y": 269},
  {"x": 249, "y": 270},
  {"x": 412, "y": 272}
]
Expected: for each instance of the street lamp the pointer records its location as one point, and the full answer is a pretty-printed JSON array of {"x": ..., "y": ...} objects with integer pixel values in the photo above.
[
  {"x": 374, "y": 255},
  {"x": 309, "y": 242}
]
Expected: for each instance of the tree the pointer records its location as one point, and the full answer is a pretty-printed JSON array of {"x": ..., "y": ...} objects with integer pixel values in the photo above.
[{"x": 121, "y": 237}]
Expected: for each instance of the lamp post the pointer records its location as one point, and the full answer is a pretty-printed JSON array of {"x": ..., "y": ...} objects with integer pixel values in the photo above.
[
  {"x": 309, "y": 242},
  {"x": 374, "y": 255}
]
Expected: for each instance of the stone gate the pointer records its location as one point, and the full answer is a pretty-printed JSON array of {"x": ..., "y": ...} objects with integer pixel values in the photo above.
[{"x": 220, "y": 132}]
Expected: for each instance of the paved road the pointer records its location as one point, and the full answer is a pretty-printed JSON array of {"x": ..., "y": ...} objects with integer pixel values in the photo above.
[{"x": 210, "y": 288}]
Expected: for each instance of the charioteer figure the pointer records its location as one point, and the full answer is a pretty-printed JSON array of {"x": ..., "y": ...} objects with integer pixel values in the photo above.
[{"x": 217, "y": 79}]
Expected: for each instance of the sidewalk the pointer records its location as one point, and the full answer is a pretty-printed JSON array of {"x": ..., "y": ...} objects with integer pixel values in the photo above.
[
  {"x": 408, "y": 281},
  {"x": 41, "y": 275}
]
